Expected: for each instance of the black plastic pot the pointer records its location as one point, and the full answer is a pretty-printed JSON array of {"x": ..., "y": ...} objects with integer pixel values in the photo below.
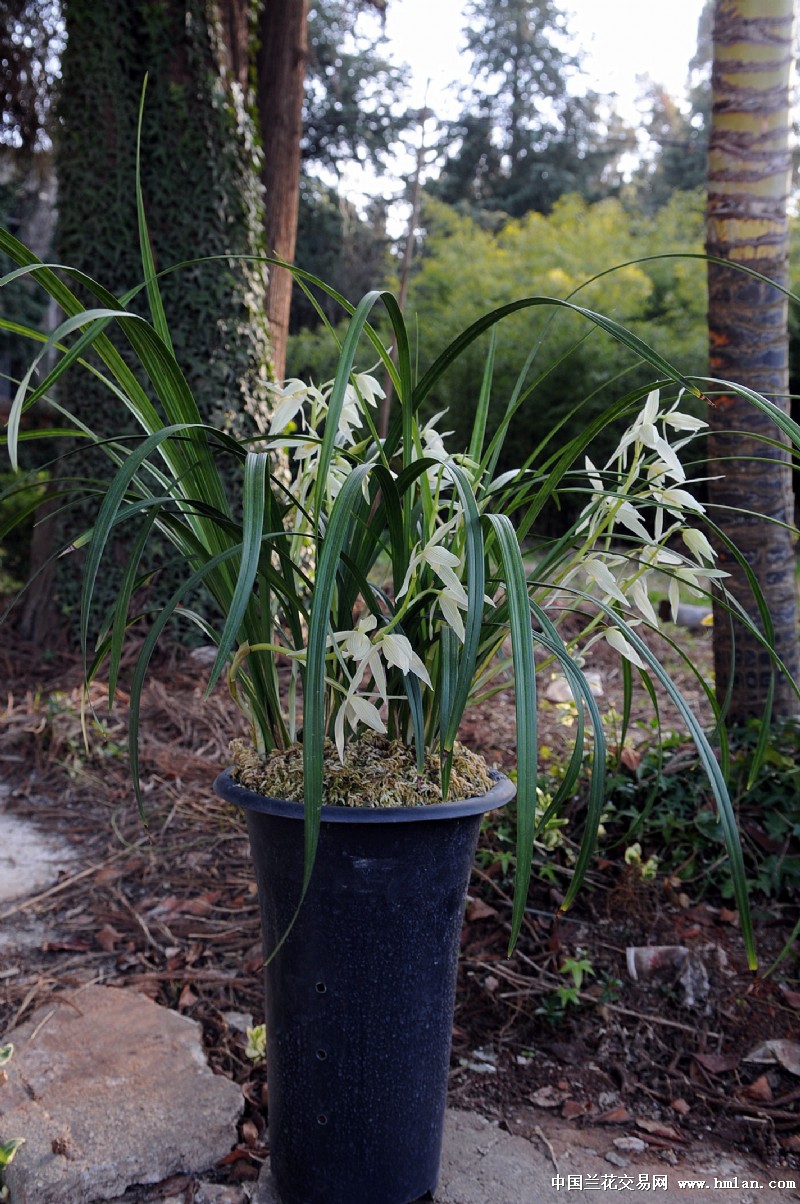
[{"x": 359, "y": 998}]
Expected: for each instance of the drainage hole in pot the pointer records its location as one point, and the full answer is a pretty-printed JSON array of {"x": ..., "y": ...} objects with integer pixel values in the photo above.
[
  {"x": 322, "y": 1055},
  {"x": 322, "y": 1119},
  {"x": 321, "y": 988}
]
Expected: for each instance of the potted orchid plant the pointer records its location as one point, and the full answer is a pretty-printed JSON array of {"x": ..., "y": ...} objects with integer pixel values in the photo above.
[{"x": 366, "y": 588}]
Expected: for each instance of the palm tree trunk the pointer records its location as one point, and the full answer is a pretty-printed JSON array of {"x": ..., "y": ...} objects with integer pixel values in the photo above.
[{"x": 748, "y": 186}]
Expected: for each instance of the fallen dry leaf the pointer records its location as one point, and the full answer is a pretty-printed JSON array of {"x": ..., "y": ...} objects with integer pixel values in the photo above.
[
  {"x": 199, "y": 905},
  {"x": 615, "y": 1116},
  {"x": 478, "y": 910},
  {"x": 107, "y": 938},
  {"x": 760, "y": 1090},
  {"x": 727, "y": 916},
  {"x": 717, "y": 1063},
  {"x": 658, "y": 1128},
  {"x": 791, "y": 997},
  {"x": 785, "y": 1053},
  {"x": 107, "y": 875},
  {"x": 249, "y": 1133},
  {"x": 75, "y": 945},
  {"x": 187, "y": 998},
  {"x": 631, "y": 758}
]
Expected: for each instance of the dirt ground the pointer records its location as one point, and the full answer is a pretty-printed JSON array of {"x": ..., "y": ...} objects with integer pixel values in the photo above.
[{"x": 170, "y": 910}]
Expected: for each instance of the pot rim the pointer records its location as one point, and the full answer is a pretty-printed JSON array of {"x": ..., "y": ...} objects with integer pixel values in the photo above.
[{"x": 501, "y": 793}]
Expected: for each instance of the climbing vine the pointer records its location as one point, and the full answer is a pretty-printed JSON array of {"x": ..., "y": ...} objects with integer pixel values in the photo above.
[{"x": 200, "y": 182}]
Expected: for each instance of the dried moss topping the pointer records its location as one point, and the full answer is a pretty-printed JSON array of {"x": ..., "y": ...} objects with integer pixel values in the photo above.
[{"x": 377, "y": 772}]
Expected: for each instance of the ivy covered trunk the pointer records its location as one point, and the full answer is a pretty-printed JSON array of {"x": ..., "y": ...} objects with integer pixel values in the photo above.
[
  {"x": 203, "y": 197},
  {"x": 749, "y": 179}
]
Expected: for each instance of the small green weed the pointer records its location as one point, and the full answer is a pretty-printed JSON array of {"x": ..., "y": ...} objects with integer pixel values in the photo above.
[
  {"x": 568, "y": 994},
  {"x": 256, "y": 1048},
  {"x": 7, "y": 1148},
  {"x": 18, "y": 494},
  {"x": 665, "y": 808},
  {"x": 499, "y": 835}
]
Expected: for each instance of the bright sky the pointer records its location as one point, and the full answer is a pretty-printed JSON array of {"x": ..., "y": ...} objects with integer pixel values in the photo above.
[{"x": 619, "y": 40}]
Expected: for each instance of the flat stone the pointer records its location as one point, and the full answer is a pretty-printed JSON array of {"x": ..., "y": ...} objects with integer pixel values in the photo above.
[
  {"x": 110, "y": 1090},
  {"x": 483, "y": 1164}
]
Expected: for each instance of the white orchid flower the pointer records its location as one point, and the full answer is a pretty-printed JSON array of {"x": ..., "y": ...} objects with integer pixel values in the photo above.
[
  {"x": 397, "y": 651},
  {"x": 679, "y": 421},
  {"x": 594, "y": 476},
  {"x": 668, "y": 461},
  {"x": 291, "y": 399},
  {"x": 367, "y": 652},
  {"x": 599, "y": 572},
  {"x": 698, "y": 544},
  {"x": 356, "y": 709},
  {"x": 449, "y": 604},
  {"x": 643, "y": 433},
  {"x": 641, "y": 599},
  {"x": 433, "y": 448},
  {"x": 617, "y": 641},
  {"x": 506, "y": 478},
  {"x": 349, "y": 416},
  {"x": 675, "y": 501},
  {"x": 606, "y": 505},
  {"x": 369, "y": 388},
  {"x": 432, "y": 441},
  {"x": 356, "y": 643},
  {"x": 338, "y": 472},
  {"x": 650, "y": 412},
  {"x": 647, "y": 436},
  {"x": 442, "y": 562},
  {"x": 656, "y": 556},
  {"x": 629, "y": 517}
]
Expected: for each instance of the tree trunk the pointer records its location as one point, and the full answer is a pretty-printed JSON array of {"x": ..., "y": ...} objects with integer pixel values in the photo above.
[
  {"x": 748, "y": 186},
  {"x": 197, "y": 144},
  {"x": 281, "y": 72},
  {"x": 233, "y": 17}
]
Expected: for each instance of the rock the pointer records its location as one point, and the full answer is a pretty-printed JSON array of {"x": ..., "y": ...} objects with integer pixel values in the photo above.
[
  {"x": 216, "y": 1193},
  {"x": 30, "y": 858},
  {"x": 630, "y": 1145},
  {"x": 110, "y": 1090},
  {"x": 558, "y": 688},
  {"x": 480, "y": 1165},
  {"x": 693, "y": 617}
]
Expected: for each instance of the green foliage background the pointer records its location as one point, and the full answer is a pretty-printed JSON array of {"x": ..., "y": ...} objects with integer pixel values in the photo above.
[{"x": 466, "y": 269}]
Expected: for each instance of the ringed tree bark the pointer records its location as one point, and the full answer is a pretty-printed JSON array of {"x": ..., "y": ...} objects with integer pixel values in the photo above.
[{"x": 748, "y": 186}]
